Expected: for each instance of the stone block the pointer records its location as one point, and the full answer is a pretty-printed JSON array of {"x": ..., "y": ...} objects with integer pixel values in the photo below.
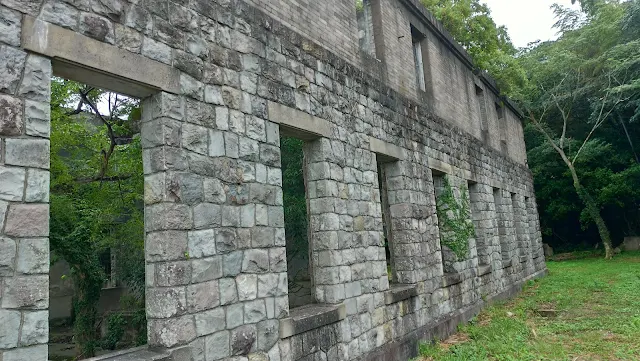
[
  {"x": 226, "y": 240},
  {"x": 203, "y": 296},
  {"x": 216, "y": 143},
  {"x": 26, "y": 292},
  {"x": 217, "y": 346},
  {"x": 156, "y": 50},
  {"x": 37, "y": 186},
  {"x": 171, "y": 332},
  {"x": 169, "y": 274},
  {"x": 228, "y": 291},
  {"x": 166, "y": 302},
  {"x": 154, "y": 188},
  {"x": 35, "y": 328},
  {"x": 61, "y": 14},
  {"x": 32, "y": 353},
  {"x": 27, "y": 152},
  {"x": 206, "y": 269},
  {"x": 256, "y": 261},
  {"x": 247, "y": 286},
  {"x": 12, "y": 62},
  {"x": 255, "y": 311},
  {"x": 167, "y": 216},
  {"x": 233, "y": 263},
  {"x": 214, "y": 191},
  {"x": 8, "y": 253},
  {"x": 27, "y": 220},
  {"x": 268, "y": 334},
  {"x": 36, "y": 80},
  {"x": 9, "y": 332},
  {"x": 128, "y": 39},
  {"x": 243, "y": 340},
  {"x": 235, "y": 315},
  {"x": 211, "y": 321},
  {"x": 207, "y": 215},
  {"x": 195, "y": 138},
  {"x": 202, "y": 243},
  {"x": 166, "y": 246},
  {"x": 184, "y": 188},
  {"x": 12, "y": 181},
  {"x": 10, "y": 26},
  {"x": 11, "y": 114},
  {"x": 33, "y": 256}
]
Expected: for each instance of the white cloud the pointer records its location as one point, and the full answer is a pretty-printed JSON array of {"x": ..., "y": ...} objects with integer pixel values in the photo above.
[{"x": 526, "y": 20}]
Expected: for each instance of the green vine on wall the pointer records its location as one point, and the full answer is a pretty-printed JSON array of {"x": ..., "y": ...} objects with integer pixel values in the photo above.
[{"x": 456, "y": 227}]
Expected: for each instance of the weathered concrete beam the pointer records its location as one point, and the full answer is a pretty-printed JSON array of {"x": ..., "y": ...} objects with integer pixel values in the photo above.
[
  {"x": 297, "y": 123},
  {"x": 78, "y": 57},
  {"x": 386, "y": 152}
]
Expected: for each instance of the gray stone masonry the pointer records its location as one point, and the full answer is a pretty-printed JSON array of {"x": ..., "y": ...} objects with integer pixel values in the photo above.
[{"x": 221, "y": 78}]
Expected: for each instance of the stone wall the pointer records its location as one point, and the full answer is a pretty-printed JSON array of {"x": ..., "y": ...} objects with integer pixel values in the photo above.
[
  {"x": 220, "y": 81},
  {"x": 24, "y": 195}
]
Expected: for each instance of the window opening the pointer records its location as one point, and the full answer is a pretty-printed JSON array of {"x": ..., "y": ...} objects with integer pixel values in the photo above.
[
  {"x": 502, "y": 230},
  {"x": 296, "y": 217},
  {"x": 416, "y": 40},
  {"x": 386, "y": 222},
  {"x": 478, "y": 216},
  {"x": 97, "y": 216},
  {"x": 364, "y": 16}
]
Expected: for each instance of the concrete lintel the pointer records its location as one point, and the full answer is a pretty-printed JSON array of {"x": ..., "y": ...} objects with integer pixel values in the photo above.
[
  {"x": 87, "y": 60},
  {"x": 297, "y": 123},
  {"x": 388, "y": 152},
  {"x": 440, "y": 166}
]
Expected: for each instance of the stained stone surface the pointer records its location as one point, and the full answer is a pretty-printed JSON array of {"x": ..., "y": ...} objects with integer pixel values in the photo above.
[{"x": 215, "y": 245}]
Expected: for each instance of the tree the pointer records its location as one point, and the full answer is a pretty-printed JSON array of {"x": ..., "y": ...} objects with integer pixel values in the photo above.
[
  {"x": 582, "y": 98},
  {"x": 96, "y": 197}
]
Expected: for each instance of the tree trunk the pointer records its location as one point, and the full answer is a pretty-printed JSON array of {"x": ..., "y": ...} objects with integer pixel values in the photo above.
[{"x": 594, "y": 212}]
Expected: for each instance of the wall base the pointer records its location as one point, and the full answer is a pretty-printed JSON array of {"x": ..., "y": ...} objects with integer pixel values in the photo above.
[{"x": 407, "y": 347}]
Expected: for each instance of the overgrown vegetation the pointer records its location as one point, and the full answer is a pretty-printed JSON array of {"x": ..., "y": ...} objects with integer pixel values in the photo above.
[
  {"x": 586, "y": 309},
  {"x": 583, "y": 105},
  {"x": 454, "y": 217},
  {"x": 96, "y": 198}
]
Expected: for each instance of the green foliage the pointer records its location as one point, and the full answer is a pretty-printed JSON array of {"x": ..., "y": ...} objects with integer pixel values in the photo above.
[
  {"x": 470, "y": 23},
  {"x": 598, "y": 317},
  {"x": 359, "y": 5},
  {"x": 454, "y": 217},
  {"x": 90, "y": 214},
  {"x": 592, "y": 71},
  {"x": 115, "y": 330}
]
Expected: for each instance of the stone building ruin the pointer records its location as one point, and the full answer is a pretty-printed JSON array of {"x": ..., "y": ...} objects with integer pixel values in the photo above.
[{"x": 372, "y": 87}]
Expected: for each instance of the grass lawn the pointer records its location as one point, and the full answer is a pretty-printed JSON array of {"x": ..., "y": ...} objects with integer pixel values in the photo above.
[{"x": 597, "y": 317}]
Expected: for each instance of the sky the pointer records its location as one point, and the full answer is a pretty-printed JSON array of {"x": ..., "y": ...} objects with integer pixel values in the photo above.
[{"x": 526, "y": 20}]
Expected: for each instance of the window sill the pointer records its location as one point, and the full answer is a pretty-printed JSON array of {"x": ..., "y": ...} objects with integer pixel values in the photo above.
[
  {"x": 450, "y": 279},
  {"x": 309, "y": 317},
  {"x": 484, "y": 270},
  {"x": 399, "y": 292},
  {"x": 141, "y": 353}
]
